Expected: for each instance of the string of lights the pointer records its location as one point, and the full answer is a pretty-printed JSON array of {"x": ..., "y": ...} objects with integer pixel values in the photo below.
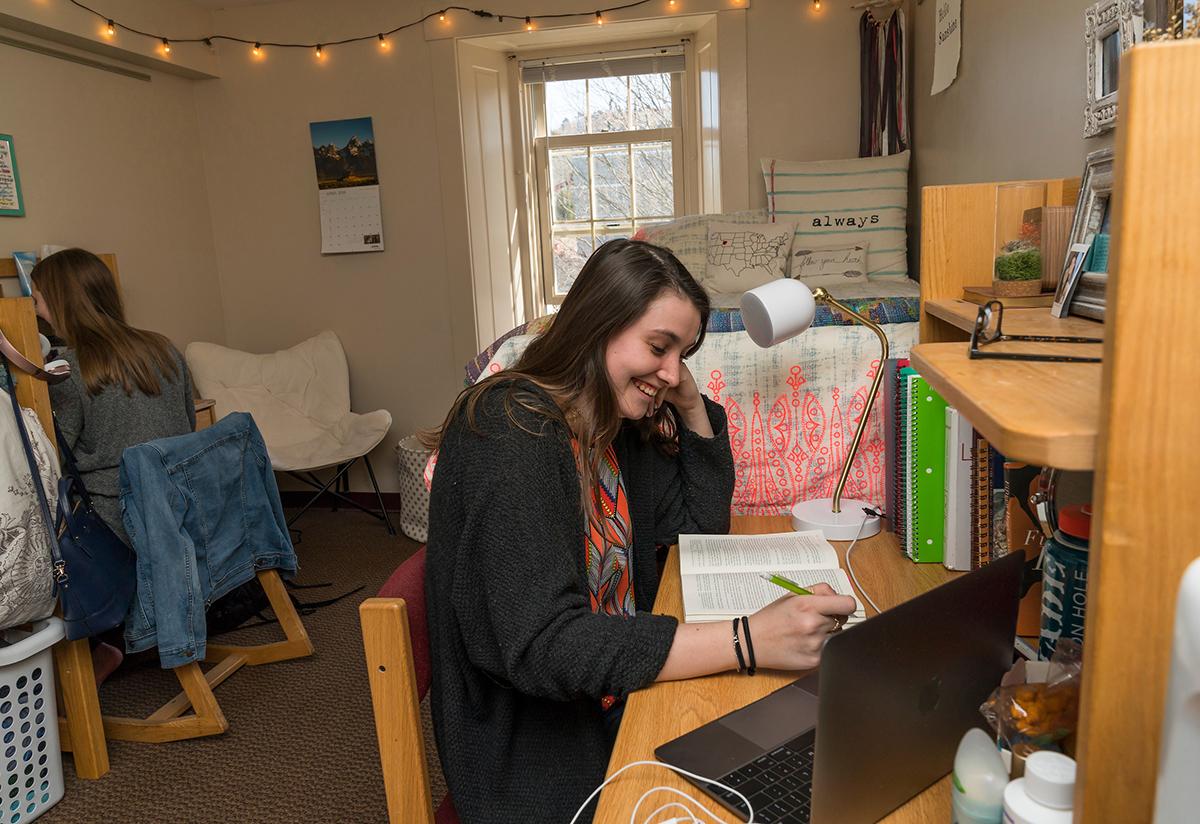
[{"x": 112, "y": 26}]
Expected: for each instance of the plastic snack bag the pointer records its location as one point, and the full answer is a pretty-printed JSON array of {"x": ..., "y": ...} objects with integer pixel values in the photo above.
[{"x": 1037, "y": 702}]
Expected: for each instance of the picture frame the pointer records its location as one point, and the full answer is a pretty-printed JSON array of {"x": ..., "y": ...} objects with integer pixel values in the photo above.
[
  {"x": 1093, "y": 214},
  {"x": 1110, "y": 28},
  {"x": 12, "y": 204},
  {"x": 1072, "y": 270}
]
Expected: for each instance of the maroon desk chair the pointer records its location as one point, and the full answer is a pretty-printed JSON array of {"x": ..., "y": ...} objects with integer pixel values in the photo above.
[{"x": 396, "y": 641}]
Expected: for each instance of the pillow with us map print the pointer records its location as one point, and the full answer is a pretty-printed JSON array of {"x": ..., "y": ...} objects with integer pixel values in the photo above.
[{"x": 741, "y": 257}]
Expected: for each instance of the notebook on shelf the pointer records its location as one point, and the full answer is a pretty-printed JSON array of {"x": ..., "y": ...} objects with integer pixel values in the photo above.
[
  {"x": 926, "y": 537},
  {"x": 960, "y": 458},
  {"x": 720, "y": 574}
]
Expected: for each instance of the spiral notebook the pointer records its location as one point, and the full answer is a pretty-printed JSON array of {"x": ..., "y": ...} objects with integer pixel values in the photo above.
[{"x": 925, "y": 485}]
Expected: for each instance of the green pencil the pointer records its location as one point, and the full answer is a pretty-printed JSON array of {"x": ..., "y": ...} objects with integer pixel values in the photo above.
[{"x": 780, "y": 581}]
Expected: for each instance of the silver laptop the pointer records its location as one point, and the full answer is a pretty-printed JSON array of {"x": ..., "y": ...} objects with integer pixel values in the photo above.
[{"x": 894, "y": 696}]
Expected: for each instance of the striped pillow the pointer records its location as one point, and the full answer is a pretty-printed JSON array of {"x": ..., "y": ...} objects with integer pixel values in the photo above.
[{"x": 851, "y": 201}]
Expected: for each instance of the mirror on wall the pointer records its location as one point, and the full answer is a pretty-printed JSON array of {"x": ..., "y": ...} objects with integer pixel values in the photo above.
[{"x": 1109, "y": 28}]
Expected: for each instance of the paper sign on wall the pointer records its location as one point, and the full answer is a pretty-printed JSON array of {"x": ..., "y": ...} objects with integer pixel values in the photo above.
[
  {"x": 947, "y": 43},
  {"x": 348, "y": 185}
]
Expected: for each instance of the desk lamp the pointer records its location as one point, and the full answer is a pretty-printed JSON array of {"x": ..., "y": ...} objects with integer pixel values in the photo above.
[{"x": 773, "y": 313}]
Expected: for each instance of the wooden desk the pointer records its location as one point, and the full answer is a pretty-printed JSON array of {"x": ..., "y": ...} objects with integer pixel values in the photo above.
[{"x": 664, "y": 711}]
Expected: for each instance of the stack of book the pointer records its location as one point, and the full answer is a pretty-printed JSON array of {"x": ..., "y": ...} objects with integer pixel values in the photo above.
[{"x": 952, "y": 497}]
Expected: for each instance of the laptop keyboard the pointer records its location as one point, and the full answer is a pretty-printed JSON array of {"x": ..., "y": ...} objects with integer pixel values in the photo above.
[{"x": 778, "y": 784}]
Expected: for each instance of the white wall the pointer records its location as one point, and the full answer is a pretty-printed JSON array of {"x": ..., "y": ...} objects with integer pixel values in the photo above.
[{"x": 115, "y": 164}]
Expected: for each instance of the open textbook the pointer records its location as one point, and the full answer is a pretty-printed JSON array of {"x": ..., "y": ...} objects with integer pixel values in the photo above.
[{"x": 720, "y": 573}]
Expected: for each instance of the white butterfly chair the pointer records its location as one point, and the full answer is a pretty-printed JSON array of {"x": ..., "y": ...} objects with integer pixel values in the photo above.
[{"x": 300, "y": 400}]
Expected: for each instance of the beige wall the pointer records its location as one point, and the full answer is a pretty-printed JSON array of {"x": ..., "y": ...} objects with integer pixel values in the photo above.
[
  {"x": 251, "y": 199},
  {"x": 1016, "y": 110},
  {"x": 115, "y": 164},
  {"x": 391, "y": 309}
]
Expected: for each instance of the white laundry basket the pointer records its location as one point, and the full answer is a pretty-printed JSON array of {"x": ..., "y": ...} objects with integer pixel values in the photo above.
[
  {"x": 412, "y": 456},
  {"x": 31, "y": 781}
]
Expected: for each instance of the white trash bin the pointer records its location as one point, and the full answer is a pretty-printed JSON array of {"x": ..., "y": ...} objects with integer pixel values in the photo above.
[
  {"x": 32, "y": 777},
  {"x": 414, "y": 495}
]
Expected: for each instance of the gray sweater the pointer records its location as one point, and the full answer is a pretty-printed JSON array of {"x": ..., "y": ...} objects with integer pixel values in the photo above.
[
  {"x": 98, "y": 427},
  {"x": 520, "y": 662}
]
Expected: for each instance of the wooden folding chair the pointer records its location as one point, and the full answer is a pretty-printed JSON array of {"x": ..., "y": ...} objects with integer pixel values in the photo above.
[
  {"x": 168, "y": 723},
  {"x": 398, "y": 668}
]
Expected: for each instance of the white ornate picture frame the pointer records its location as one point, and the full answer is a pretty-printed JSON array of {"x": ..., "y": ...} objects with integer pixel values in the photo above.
[{"x": 1110, "y": 27}]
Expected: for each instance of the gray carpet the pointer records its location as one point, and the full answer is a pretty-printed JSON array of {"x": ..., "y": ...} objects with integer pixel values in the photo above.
[{"x": 301, "y": 739}]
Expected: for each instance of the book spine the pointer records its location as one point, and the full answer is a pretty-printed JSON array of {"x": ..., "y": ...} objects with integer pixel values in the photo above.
[
  {"x": 891, "y": 383},
  {"x": 981, "y": 502},
  {"x": 1025, "y": 536}
]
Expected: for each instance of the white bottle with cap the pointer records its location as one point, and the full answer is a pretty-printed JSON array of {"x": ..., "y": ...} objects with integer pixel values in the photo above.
[{"x": 1046, "y": 793}]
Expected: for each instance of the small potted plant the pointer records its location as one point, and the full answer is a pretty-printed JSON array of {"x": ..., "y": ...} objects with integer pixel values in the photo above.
[{"x": 1018, "y": 270}]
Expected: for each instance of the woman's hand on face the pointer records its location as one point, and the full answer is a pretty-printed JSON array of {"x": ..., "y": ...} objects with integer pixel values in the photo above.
[
  {"x": 790, "y": 633},
  {"x": 684, "y": 395}
]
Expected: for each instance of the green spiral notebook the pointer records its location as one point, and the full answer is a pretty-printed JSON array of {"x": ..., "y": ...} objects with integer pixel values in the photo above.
[{"x": 926, "y": 420}]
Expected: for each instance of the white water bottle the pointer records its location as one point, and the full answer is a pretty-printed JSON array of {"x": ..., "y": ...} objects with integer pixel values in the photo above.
[
  {"x": 1045, "y": 795},
  {"x": 977, "y": 785}
]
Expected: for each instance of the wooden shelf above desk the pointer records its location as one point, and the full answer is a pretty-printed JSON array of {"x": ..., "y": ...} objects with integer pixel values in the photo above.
[
  {"x": 961, "y": 314},
  {"x": 1042, "y": 413}
]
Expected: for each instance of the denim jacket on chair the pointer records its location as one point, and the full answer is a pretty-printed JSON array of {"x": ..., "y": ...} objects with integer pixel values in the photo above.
[{"x": 203, "y": 513}]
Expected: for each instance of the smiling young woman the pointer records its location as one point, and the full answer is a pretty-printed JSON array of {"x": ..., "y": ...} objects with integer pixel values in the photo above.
[{"x": 556, "y": 480}]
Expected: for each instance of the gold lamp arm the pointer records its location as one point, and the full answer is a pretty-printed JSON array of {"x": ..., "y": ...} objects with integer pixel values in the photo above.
[{"x": 821, "y": 296}]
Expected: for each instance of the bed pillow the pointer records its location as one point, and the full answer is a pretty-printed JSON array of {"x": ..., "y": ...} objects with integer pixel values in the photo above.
[
  {"x": 829, "y": 265},
  {"x": 687, "y": 237},
  {"x": 743, "y": 256},
  {"x": 845, "y": 201}
]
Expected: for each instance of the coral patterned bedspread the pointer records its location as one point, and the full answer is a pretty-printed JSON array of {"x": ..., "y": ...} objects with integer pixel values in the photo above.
[{"x": 792, "y": 408}]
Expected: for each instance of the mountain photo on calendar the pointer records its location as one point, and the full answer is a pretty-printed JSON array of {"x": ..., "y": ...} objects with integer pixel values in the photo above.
[{"x": 344, "y": 152}]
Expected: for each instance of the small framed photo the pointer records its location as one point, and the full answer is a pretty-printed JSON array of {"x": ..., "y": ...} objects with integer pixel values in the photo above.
[
  {"x": 11, "y": 202},
  {"x": 1072, "y": 270},
  {"x": 1110, "y": 28},
  {"x": 1093, "y": 215}
]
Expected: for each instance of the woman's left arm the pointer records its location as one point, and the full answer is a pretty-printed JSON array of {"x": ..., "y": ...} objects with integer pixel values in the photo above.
[{"x": 695, "y": 488}]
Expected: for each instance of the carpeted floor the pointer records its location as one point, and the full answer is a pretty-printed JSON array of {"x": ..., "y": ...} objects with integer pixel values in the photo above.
[{"x": 301, "y": 739}]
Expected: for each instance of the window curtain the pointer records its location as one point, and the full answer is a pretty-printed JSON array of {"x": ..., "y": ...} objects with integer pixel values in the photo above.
[{"x": 883, "y": 124}]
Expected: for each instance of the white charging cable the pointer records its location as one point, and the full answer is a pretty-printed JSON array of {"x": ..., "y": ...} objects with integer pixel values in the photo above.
[
  {"x": 691, "y": 819},
  {"x": 870, "y": 513}
]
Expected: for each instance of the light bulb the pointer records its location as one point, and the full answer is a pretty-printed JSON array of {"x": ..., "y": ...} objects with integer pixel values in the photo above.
[
  {"x": 442, "y": 16},
  {"x": 383, "y": 43},
  {"x": 111, "y": 30},
  {"x": 528, "y": 24},
  {"x": 671, "y": 3},
  {"x": 817, "y": 4},
  {"x": 166, "y": 46},
  {"x": 257, "y": 50},
  {"x": 320, "y": 54},
  {"x": 599, "y": 19}
]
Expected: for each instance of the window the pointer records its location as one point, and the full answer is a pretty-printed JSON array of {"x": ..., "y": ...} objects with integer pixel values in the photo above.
[{"x": 607, "y": 145}]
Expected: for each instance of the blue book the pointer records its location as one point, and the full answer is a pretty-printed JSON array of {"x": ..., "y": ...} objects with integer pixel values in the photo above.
[{"x": 25, "y": 261}]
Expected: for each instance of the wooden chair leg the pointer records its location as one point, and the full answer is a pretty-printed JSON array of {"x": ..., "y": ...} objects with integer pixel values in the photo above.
[
  {"x": 388, "y": 648},
  {"x": 81, "y": 731},
  {"x": 207, "y": 720},
  {"x": 297, "y": 644}
]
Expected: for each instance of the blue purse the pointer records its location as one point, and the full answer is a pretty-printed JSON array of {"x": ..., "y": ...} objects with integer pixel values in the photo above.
[{"x": 94, "y": 570}]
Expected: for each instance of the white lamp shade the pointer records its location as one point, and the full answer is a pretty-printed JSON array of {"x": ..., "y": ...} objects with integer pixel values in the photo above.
[{"x": 777, "y": 311}]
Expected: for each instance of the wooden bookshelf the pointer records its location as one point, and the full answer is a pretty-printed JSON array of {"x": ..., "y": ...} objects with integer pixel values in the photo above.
[
  {"x": 1047, "y": 414},
  {"x": 1136, "y": 410},
  {"x": 961, "y": 315}
]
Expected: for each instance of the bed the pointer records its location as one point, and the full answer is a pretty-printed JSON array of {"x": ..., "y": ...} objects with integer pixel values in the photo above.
[{"x": 792, "y": 408}]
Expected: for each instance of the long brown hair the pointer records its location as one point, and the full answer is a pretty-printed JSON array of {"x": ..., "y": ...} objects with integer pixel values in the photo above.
[
  {"x": 615, "y": 287},
  {"x": 86, "y": 308}
]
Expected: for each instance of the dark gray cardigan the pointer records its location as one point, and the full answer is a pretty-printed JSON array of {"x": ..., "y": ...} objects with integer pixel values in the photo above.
[{"x": 520, "y": 662}]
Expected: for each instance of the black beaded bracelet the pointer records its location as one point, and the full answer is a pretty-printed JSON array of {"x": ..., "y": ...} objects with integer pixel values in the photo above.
[
  {"x": 749, "y": 646},
  {"x": 737, "y": 647}
]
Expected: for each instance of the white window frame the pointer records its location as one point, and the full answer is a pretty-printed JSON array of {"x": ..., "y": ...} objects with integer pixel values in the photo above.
[{"x": 542, "y": 144}]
